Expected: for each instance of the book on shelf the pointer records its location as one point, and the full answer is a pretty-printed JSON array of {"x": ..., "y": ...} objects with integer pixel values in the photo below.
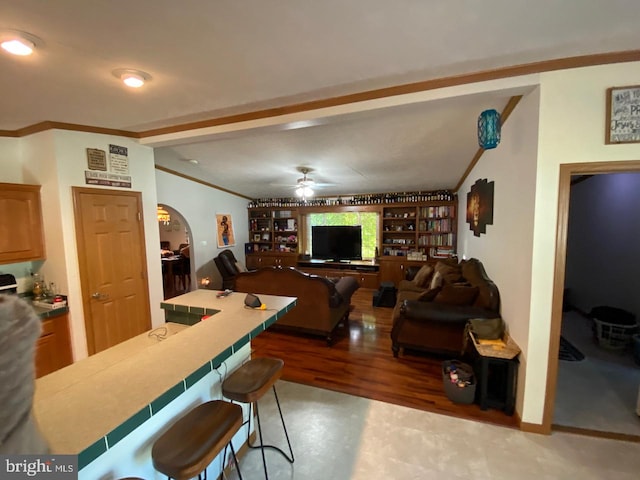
[{"x": 442, "y": 252}]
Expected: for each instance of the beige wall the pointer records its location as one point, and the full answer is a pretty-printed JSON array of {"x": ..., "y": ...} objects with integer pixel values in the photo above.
[
  {"x": 568, "y": 109},
  {"x": 10, "y": 163},
  {"x": 198, "y": 204},
  {"x": 505, "y": 250},
  {"x": 572, "y": 125},
  {"x": 57, "y": 161}
]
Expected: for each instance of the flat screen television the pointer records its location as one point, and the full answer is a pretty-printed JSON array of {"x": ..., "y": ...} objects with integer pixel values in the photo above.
[{"x": 336, "y": 243}]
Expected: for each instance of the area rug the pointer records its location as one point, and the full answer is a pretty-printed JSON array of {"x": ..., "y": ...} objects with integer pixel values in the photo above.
[{"x": 568, "y": 352}]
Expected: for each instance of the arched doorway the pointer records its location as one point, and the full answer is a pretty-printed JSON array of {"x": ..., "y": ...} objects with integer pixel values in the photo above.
[{"x": 176, "y": 254}]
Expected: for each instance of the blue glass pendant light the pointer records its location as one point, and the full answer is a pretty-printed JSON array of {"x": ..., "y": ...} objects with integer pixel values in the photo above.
[{"x": 489, "y": 129}]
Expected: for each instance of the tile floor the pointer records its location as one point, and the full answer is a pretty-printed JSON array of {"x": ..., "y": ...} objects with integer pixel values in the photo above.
[
  {"x": 599, "y": 392},
  {"x": 337, "y": 436}
]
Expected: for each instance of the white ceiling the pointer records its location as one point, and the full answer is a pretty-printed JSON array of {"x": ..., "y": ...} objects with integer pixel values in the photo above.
[{"x": 214, "y": 58}]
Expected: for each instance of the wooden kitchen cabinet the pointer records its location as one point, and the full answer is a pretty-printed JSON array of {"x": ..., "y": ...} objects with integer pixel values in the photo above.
[
  {"x": 21, "y": 231},
  {"x": 53, "y": 348}
]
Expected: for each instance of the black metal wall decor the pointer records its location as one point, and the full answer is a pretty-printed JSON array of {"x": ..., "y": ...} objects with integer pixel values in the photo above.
[{"x": 480, "y": 206}]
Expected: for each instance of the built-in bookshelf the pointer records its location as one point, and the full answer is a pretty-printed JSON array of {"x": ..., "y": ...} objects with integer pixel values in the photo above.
[
  {"x": 419, "y": 231},
  {"x": 273, "y": 230},
  {"x": 414, "y": 228}
]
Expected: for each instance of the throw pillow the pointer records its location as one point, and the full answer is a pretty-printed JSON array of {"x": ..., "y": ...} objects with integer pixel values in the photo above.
[
  {"x": 451, "y": 273},
  {"x": 423, "y": 276},
  {"x": 429, "y": 295},
  {"x": 456, "y": 295},
  {"x": 436, "y": 281}
]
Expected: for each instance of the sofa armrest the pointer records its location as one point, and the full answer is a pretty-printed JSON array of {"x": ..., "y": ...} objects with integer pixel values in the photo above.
[
  {"x": 346, "y": 287},
  {"x": 439, "y": 312}
]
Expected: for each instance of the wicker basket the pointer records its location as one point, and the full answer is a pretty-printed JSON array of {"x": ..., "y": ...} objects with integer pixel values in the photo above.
[{"x": 614, "y": 336}]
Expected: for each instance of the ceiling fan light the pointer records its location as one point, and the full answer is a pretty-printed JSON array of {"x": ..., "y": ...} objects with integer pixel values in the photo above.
[
  {"x": 18, "y": 46},
  {"x": 304, "y": 191}
]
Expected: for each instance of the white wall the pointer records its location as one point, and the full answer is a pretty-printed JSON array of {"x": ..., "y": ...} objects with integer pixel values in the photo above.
[
  {"x": 57, "y": 161},
  {"x": 505, "y": 250},
  {"x": 10, "y": 162},
  {"x": 198, "y": 204},
  {"x": 572, "y": 125}
]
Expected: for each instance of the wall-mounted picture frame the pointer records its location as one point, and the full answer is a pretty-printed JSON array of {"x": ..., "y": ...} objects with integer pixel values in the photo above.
[
  {"x": 480, "y": 206},
  {"x": 623, "y": 115},
  {"x": 224, "y": 229}
]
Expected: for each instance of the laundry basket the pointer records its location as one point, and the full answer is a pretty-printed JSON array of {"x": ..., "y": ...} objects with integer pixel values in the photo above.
[{"x": 613, "y": 327}]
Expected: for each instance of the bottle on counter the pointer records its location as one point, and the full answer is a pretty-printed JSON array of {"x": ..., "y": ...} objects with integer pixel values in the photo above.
[{"x": 38, "y": 287}]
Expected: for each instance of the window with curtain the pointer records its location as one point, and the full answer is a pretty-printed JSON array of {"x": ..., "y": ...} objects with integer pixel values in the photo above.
[{"x": 368, "y": 221}]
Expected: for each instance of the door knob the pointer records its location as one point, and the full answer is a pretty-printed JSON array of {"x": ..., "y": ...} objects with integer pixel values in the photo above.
[{"x": 100, "y": 296}]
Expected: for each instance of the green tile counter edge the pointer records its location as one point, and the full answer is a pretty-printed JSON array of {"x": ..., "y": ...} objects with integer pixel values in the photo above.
[{"x": 92, "y": 452}]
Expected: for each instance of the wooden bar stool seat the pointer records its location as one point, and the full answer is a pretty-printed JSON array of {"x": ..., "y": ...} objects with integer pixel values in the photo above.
[
  {"x": 193, "y": 441},
  {"x": 247, "y": 385}
]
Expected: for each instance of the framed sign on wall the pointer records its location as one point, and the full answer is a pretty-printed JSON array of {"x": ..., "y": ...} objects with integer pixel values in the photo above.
[{"x": 623, "y": 115}]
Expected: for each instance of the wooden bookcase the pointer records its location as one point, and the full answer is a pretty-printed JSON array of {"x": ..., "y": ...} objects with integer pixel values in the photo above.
[
  {"x": 412, "y": 232},
  {"x": 273, "y": 237},
  {"x": 419, "y": 231}
]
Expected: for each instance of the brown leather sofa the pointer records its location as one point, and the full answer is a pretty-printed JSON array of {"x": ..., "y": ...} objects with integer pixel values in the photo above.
[
  {"x": 432, "y": 317},
  {"x": 321, "y": 303}
]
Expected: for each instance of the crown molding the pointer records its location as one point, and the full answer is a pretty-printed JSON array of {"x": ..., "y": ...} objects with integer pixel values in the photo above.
[
  {"x": 201, "y": 182},
  {"x": 437, "y": 83}
]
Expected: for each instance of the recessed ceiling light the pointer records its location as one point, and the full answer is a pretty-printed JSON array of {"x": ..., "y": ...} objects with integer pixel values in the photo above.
[
  {"x": 194, "y": 161},
  {"x": 17, "y": 43},
  {"x": 132, "y": 78}
]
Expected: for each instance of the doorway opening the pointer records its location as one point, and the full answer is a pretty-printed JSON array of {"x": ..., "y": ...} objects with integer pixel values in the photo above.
[
  {"x": 176, "y": 252},
  {"x": 565, "y": 378}
]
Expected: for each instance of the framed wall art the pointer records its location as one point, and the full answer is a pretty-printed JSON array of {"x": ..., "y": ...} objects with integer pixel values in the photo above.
[
  {"x": 623, "y": 115},
  {"x": 480, "y": 206},
  {"x": 224, "y": 228}
]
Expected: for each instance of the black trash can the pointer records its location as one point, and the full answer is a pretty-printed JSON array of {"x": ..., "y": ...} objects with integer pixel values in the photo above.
[{"x": 459, "y": 381}]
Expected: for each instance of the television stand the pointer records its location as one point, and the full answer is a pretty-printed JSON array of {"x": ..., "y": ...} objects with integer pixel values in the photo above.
[{"x": 365, "y": 272}]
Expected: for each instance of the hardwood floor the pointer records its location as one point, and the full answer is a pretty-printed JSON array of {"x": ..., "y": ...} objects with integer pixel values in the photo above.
[{"x": 360, "y": 363}]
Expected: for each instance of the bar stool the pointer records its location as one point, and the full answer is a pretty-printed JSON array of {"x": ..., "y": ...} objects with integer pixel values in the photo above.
[
  {"x": 247, "y": 385},
  {"x": 193, "y": 441}
]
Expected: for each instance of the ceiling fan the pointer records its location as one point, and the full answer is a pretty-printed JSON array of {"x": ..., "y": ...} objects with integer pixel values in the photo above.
[{"x": 305, "y": 186}]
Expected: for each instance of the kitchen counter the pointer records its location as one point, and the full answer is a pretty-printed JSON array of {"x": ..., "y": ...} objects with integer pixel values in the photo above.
[{"x": 92, "y": 405}]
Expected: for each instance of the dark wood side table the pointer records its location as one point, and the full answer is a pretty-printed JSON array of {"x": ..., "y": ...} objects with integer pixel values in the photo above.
[{"x": 496, "y": 370}]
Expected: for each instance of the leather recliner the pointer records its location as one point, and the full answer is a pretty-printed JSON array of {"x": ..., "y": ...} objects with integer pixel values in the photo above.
[{"x": 228, "y": 268}]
